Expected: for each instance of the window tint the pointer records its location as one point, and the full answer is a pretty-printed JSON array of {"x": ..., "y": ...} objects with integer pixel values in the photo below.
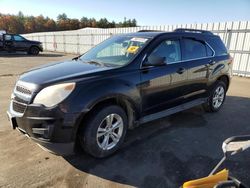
[
  {"x": 18, "y": 38},
  {"x": 170, "y": 49},
  {"x": 193, "y": 49},
  {"x": 209, "y": 51},
  {"x": 218, "y": 46},
  {"x": 116, "y": 51},
  {"x": 7, "y": 37}
]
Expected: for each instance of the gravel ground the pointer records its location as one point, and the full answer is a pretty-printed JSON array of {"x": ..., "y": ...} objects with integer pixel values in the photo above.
[{"x": 163, "y": 153}]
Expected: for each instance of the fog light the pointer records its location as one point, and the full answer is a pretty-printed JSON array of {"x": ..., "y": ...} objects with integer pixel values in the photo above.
[{"x": 44, "y": 132}]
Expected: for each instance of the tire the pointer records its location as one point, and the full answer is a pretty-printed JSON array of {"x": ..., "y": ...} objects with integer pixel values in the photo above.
[
  {"x": 109, "y": 140},
  {"x": 33, "y": 50},
  {"x": 216, "y": 98}
]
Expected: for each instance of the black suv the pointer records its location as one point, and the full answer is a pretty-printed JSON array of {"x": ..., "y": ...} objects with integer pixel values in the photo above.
[
  {"x": 125, "y": 81},
  {"x": 15, "y": 42}
]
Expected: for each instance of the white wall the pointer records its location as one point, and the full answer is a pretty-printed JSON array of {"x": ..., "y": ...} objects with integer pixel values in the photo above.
[{"x": 236, "y": 36}]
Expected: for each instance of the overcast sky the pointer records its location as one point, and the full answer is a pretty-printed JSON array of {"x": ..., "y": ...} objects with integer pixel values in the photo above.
[{"x": 146, "y": 12}]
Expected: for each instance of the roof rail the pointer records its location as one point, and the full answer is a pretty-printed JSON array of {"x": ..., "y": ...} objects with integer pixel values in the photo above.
[
  {"x": 145, "y": 30},
  {"x": 193, "y": 31}
]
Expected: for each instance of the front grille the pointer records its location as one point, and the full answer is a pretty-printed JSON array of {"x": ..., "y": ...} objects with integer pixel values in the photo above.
[
  {"x": 20, "y": 100},
  {"x": 23, "y": 90},
  {"x": 21, "y": 97},
  {"x": 18, "y": 107}
]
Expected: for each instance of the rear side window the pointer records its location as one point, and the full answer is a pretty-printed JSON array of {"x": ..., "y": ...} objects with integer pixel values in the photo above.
[
  {"x": 7, "y": 37},
  {"x": 218, "y": 46},
  {"x": 170, "y": 49},
  {"x": 193, "y": 49}
]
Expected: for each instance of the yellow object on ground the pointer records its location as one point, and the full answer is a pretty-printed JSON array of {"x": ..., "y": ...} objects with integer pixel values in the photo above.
[{"x": 208, "y": 182}]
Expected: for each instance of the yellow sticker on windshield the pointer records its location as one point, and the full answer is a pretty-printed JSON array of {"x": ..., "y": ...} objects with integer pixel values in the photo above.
[{"x": 132, "y": 49}]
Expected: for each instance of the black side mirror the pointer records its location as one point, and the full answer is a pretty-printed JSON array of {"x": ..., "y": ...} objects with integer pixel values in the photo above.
[{"x": 153, "y": 60}]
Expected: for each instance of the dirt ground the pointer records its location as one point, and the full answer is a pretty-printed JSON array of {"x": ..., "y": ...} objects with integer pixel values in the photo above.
[{"x": 163, "y": 153}]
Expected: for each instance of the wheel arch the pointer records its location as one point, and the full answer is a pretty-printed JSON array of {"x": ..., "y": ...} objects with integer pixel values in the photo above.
[
  {"x": 33, "y": 45},
  {"x": 124, "y": 102},
  {"x": 225, "y": 79}
]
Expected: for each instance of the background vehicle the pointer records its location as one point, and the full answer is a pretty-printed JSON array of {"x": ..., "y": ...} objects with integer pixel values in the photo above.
[
  {"x": 230, "y": 147},
  {"x": 15, "y": 42},
  {"x": 125, "y": 81}
]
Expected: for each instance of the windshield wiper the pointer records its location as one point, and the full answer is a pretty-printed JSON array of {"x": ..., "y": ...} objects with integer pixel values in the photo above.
[
  {"x": 95, "y": 62},
  {"x": 76, "y": 58}
]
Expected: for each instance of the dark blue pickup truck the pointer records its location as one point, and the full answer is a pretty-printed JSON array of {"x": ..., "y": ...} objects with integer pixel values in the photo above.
[{"x": 15, "y": 42}]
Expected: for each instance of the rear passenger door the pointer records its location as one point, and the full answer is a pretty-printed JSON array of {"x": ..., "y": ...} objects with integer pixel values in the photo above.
[
  {"x": 8, "y": 42},
  {"x": 198, "y": 56}
]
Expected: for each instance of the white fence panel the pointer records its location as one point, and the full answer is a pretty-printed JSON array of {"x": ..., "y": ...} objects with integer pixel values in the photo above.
[{"x": 236, "y": 36}]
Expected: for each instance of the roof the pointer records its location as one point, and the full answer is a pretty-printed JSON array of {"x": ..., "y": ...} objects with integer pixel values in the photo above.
[
  {"x": 145, "y": 34},
  {"x": 179, "y": 31}
]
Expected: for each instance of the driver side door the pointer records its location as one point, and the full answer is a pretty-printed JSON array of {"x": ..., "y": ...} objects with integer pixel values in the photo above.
[{"x": 163, "y": 86}]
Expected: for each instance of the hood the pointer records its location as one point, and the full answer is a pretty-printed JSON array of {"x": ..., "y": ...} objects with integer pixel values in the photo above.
[
  {"x": 61, "y": 71},
  {"x": 34, "y": 42}
]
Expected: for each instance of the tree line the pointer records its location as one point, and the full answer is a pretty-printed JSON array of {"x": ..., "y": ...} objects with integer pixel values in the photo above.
[{"x": 28, "y": 24}]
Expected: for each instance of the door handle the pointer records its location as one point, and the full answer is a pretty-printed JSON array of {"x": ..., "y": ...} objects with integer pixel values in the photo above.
[
  {"x": 181, "y": 70},
  {"x": 211, "y": 62}
]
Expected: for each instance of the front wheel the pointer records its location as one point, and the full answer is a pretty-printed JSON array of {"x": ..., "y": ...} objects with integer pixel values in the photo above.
[
  {"x": 216, "y": 98},
  {"x": 34, "y": 50},
  {"x": 104, "y": 132}
]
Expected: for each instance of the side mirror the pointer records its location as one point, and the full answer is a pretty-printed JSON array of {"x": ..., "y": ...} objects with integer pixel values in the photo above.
[
  {"x": 236, "y": 144},
  {"x": 153, "y": 60}
]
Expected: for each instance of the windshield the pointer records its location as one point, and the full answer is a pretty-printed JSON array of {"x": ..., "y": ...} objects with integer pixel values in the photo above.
[{"x": 115, "y": 51}]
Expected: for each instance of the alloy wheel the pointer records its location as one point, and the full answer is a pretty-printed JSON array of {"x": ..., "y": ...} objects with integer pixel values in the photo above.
[
  {"x": 218, "y": 97},
  {"x": 109, "y": 131}
]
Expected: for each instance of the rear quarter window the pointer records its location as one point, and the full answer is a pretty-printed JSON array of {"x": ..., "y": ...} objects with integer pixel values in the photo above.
[{"x": 218, "y": 46}]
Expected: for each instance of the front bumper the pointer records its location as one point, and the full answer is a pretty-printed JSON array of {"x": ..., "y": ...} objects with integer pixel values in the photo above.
[
  {"x": 51, "y": 129},
  {"x": 41, "y": 48}
]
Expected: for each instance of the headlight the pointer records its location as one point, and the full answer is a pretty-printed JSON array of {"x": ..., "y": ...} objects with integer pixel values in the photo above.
[{"x": 54, "y": 94}]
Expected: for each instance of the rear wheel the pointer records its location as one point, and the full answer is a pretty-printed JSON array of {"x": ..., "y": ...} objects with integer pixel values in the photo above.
[
  {"x": 34, "y": 50},
  {"x": 105, "y": 131},
  {"x": 216, "y": 98}
]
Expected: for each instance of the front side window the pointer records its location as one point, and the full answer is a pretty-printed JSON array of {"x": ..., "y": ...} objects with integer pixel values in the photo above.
[
  {"x": 115, "y": 51},
  {"x": 194, "y": 49},
  {"x": 18, "y": 38},
  {"x": 170, "y": 50}
]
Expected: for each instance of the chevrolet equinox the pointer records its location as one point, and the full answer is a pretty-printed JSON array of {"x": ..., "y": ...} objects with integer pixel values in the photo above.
[{"x": 127, "y": 80}]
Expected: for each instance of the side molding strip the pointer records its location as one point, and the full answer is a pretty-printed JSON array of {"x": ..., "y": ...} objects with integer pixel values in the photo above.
[{"x": 173, "y": 110}]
